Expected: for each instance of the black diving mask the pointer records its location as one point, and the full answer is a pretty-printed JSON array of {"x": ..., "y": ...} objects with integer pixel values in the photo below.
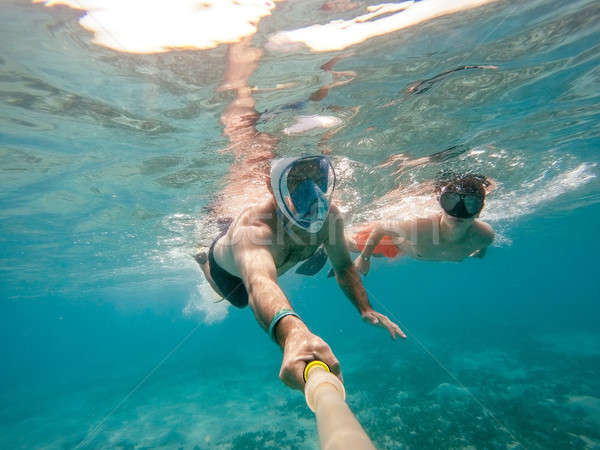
[{"x": 461, "y": 205}]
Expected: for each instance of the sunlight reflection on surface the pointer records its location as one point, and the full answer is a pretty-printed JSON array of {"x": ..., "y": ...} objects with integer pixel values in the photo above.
[
  {"x": 138, "y": 26},
  {"x": 141, "y": 26}
]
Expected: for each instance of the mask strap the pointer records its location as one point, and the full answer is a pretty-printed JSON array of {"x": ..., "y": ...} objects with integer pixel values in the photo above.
[{"x": 280, "y": 215}]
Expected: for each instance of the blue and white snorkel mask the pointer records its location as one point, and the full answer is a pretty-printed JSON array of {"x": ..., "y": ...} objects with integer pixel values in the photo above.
[{"x": 302, "y": 187}]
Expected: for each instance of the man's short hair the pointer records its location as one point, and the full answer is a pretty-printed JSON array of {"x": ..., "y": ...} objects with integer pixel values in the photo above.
[{"x": 467, "y": 184}]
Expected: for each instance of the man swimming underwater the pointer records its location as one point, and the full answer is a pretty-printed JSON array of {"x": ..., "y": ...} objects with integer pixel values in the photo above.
[
  {"x": 266, "y": 240},
  {"x": 453, "y": 234}
]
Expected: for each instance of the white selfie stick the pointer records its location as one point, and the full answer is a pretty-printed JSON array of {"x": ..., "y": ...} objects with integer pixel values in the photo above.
[{"x": 325, "y": 396}]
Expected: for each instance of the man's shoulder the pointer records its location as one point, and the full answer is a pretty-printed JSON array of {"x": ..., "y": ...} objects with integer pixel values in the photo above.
[
  {"x": 423, "y": 224},
  {"x": 431, "y": 220},
  {"x": 258, "y": 215},
  {"x": 483, "y": 231},
  {"x": 255, "y": 222}
]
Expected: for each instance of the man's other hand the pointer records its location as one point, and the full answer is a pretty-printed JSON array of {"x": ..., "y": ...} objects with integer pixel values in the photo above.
[
  {"x": 379, "y": 320},
  {"x": 362, "y": 265}
]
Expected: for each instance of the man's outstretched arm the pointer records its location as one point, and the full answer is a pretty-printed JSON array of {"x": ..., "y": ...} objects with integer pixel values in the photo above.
[
  {"x": 348, "y": 278},
  {"x": 267, "y": 300},
  {"x": 363, "y": 261},
  {"x": 395, "y": 229}
]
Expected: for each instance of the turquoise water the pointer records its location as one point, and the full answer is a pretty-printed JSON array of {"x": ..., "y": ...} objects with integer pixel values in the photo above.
[{"x": 109, "y": 160}]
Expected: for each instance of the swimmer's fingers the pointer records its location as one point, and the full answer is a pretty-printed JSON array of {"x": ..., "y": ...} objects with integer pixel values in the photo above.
[
  {"x": 332, "y": 363},
  {"x": 361, "y": 265},
  {"x": 295, "y": 378},
  {"x": 301, "y": 348},
  {"x": 394, "y": 329},
  {"x": 292, "y": 368},
  {"x": 381, "y": 320},
  {"x": 291, "y": 375},
  {"x": 322, "y": 352}
]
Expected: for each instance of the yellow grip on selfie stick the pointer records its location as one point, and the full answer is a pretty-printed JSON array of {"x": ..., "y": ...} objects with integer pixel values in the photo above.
[{"x": 311, "y": 365}]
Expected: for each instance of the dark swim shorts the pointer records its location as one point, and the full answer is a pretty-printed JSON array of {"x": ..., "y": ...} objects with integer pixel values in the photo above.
[{"x": 231, "y": 287}]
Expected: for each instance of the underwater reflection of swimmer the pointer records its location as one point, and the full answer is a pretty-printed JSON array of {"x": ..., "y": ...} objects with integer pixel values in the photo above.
[
  {"x": 403, "y": 162},
  {"x": 339, "y": 5},
  {"x": 269, "y": 222},
  {"x": 333, "y": 118},
  {"x": 340, "y": 78},
  {"x": 418, "y": 87},
  {"x": 422, "y": 86}
]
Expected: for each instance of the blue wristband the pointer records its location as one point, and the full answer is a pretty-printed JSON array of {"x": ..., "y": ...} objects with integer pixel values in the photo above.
[{"x": 277, "y": 317}]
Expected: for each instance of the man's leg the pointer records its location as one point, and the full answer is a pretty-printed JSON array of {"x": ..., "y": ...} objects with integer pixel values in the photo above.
[{"x": 252, "y": 150}]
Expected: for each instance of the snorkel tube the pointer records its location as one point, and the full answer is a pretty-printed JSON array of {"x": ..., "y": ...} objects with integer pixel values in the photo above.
[{"x": 325, "y": 396}]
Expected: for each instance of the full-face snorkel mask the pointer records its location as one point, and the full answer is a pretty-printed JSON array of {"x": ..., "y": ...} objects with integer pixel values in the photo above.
[
  {"x": 302, "y": 188},
  {"x": 462, "y": 200}
]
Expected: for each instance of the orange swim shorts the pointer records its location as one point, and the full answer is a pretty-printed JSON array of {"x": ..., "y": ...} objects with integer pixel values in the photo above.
[{"x": 386, "y": 246}]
